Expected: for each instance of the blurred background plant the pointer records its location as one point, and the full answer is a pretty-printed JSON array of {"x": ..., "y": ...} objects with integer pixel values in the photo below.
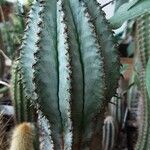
[{"x": 12, "y": 22}]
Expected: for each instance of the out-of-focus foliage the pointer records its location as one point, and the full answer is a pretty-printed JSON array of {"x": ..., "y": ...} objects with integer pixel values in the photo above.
[
  {"x": 128, "y": 11},
  {"x": 119, "y": 3},
  {"x": 12, "y": 25},
  {"x": 2, "y": 1}
]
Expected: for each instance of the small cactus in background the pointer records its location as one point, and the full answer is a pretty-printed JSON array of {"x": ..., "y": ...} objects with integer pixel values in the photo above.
[
  {"x": 24, "y": 109},
  {"x": 143, "y": 38},
  {"x": 109, "y": 133},
  {"x": 115, "y": 108},
  {"x": 23, "y": 137},
  {"x": 143, "y": 54},
  {"x": 69, "y": 68}
]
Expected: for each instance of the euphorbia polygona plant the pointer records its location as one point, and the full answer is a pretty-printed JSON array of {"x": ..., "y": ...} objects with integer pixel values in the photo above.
[{"x": 69, "y": 66}]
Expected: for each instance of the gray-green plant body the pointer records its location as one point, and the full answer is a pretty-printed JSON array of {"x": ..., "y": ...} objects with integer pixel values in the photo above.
[{"x": 70, "y": 68}]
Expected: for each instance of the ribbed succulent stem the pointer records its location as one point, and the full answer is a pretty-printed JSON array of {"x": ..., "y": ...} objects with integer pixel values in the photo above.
[
  {"x": 143, "y": 38},
  {"x": 108, "y": 133},
  {"x": 115, "y": 108},
  {"x": 24, "y": 109},
  {"x": 75, "y": 69},
  {"x": 144, "y": 125},
  {"x": 143, "y": 48}
]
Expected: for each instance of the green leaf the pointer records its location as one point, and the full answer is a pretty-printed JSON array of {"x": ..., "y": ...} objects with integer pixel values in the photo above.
[
  {"x": 133, "y": 3},
  {"x": 129, "y": 11},
  {"x": 119, "y": 3}
]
